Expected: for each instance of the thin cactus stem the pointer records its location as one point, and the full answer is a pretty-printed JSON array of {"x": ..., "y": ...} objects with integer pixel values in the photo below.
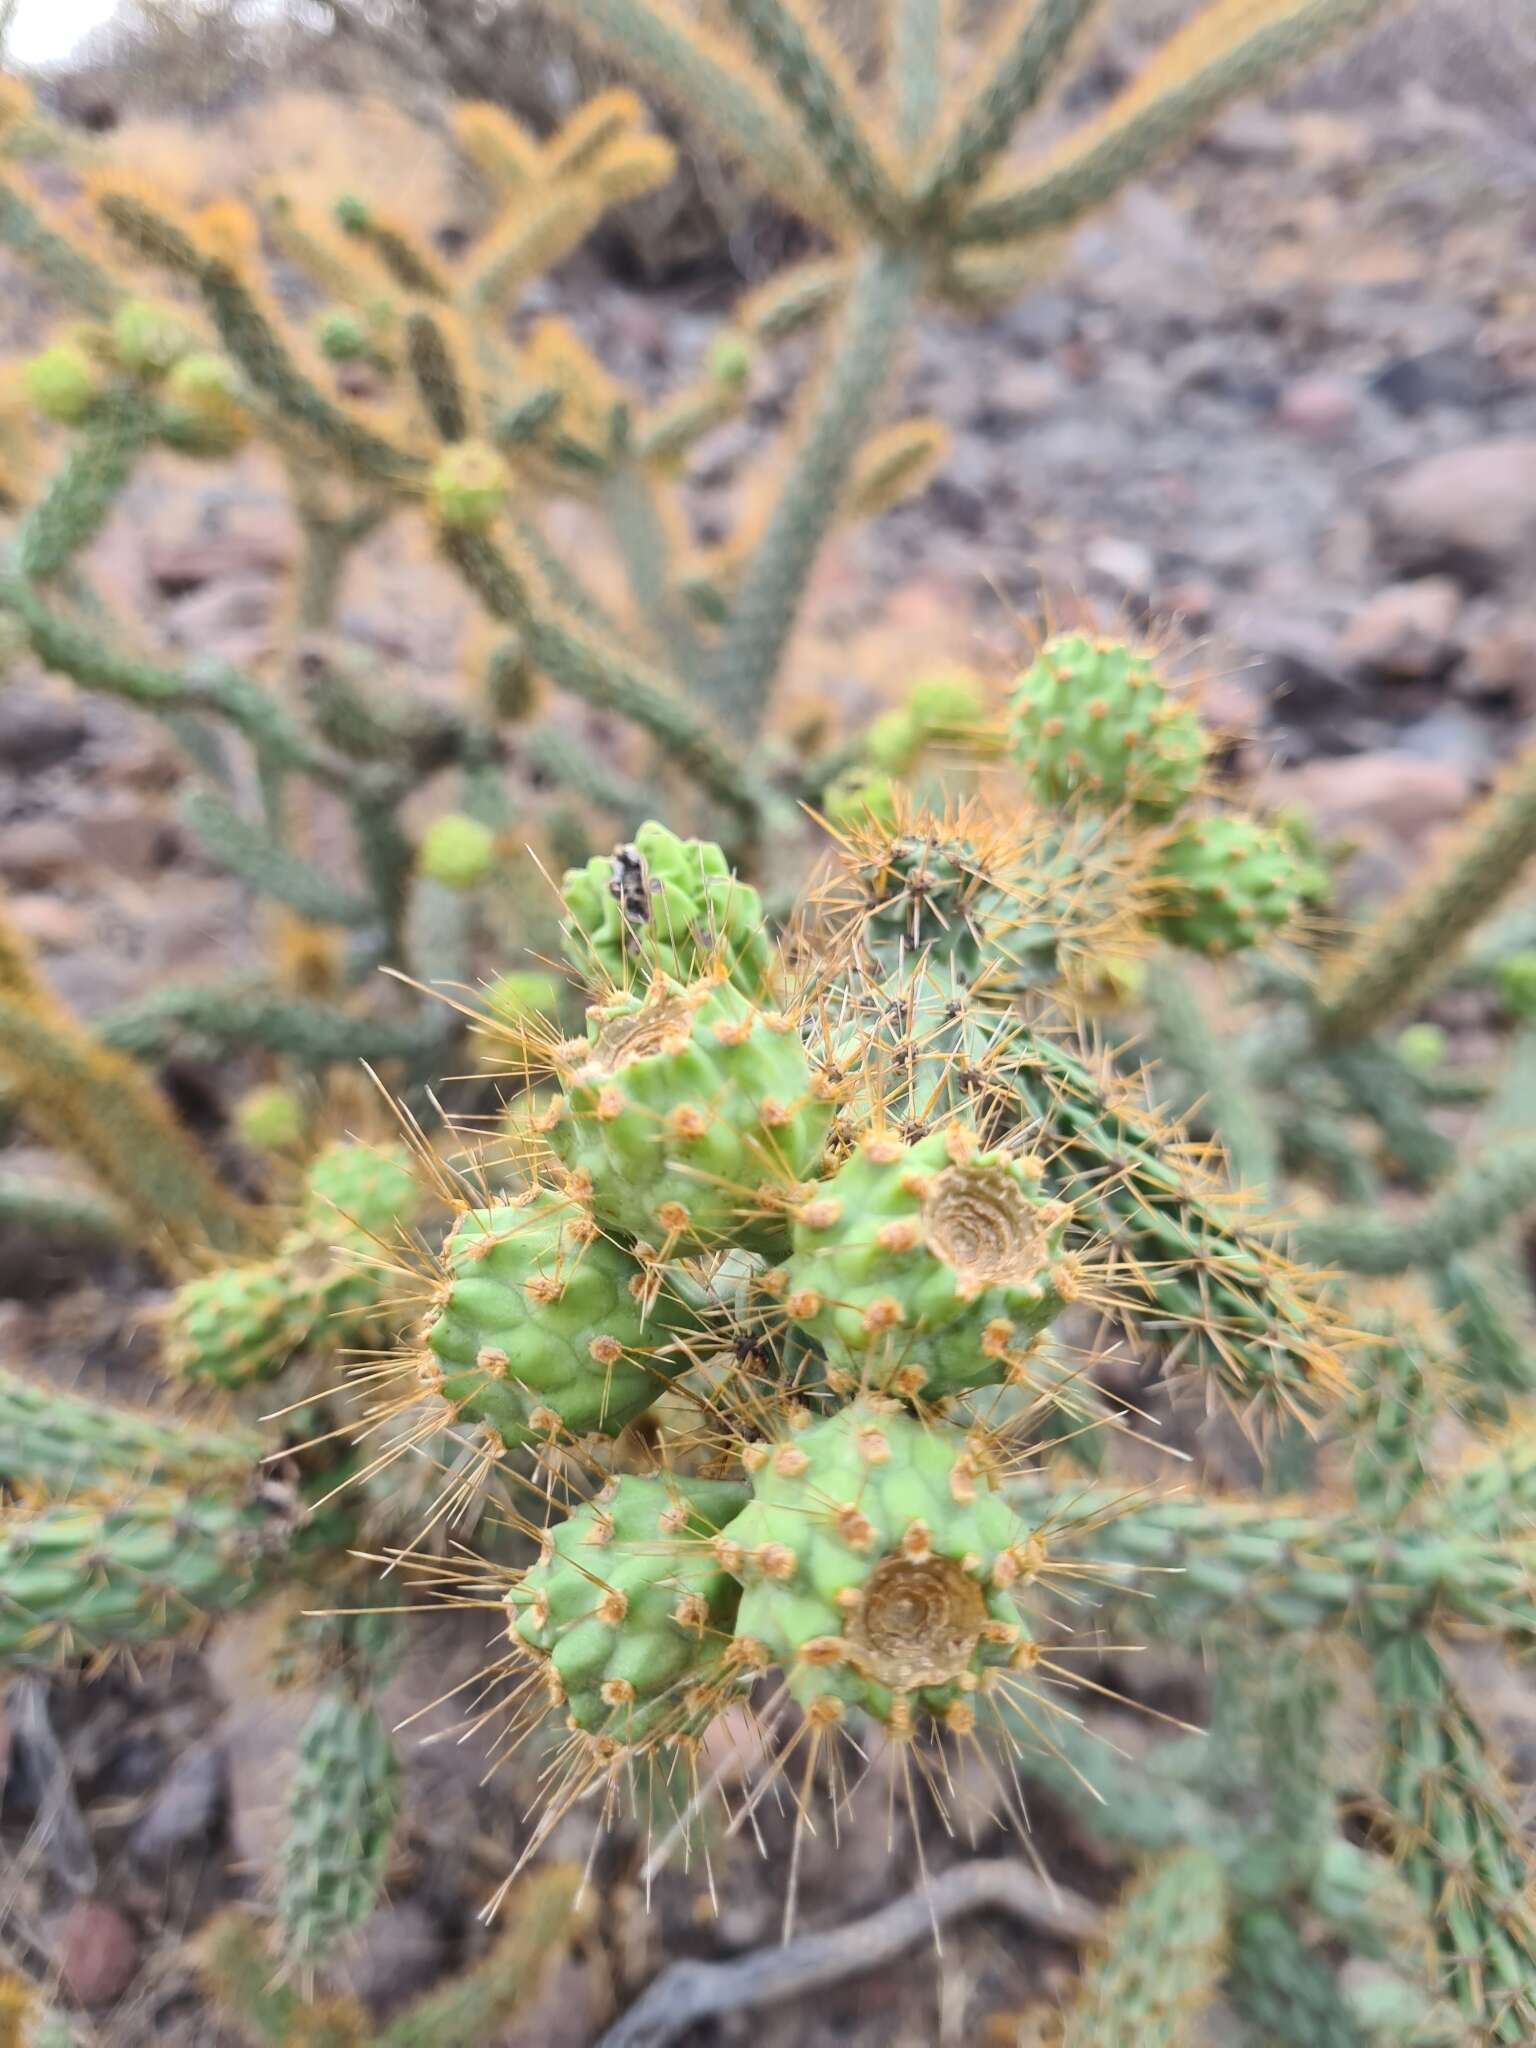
[
  {"x": 1412, "y": 942},
  {"x": 54, "y": 1214},
  {"x": 248, "y": 852},
  {"x": 1223, "y": 52},
  {"x": 635, "y": 521},
  {"x": 600, "y": 674},
  {"x": 917, "y": 68},
  {"x": 1473, "y": 1204},
  {"x": 764, "y": 612},
  {"x": 80, "y": 498},
  {"x": 313, "y": 1033},
  {"x": 556, "y": 757},
  {"x": 65, "y": 1443},
  {"x": 75, "y": 276},
  {"x": 813, "y": 82},
  {"x": 1015, "y": 72},
  {"x": 701, "y": 71},
  {"x": 1375, "y": 1082},
  {"x": 1186, "y": 1035}
]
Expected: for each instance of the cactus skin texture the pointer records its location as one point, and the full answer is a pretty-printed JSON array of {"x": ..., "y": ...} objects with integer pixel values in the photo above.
[
  {"x": 343, "y": 1802},
  {"x": 544, "y": 1325},
  {"x": 690, "y": 1107},
  {"x": 877, "y": 1565},
  {"x": 665, "y": 905},
  {"x": 77, "y": 1580},
  {"x": 240, "y": 1324},
  {"x": 926, "y": 1268},
  {"x": 1091, "y": 723},
  {"x": 1225, "y": 882},
  {"x": 1161, "y": 1960},
  {"x": 628, "y": 1608}
]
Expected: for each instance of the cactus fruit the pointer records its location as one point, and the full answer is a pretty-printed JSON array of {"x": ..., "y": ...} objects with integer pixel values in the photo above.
[
  {"x": 343, "y": 1802},
  {"x": 269, "y": 1119},
  {"x": 878, "y": 1567},
  {"x": 1092, "y": 723},
  {"x": 1225, "y": 881},
  {"x": 893, "y": 741},
  {"x": 1515, "y": 980},
  {"x": 665, "y": 905},
  {"x": 63, "y": 383},
  {"x": 927, "y": 1268},
  {"x": 456, "y": 851},
  {"x": 541, "y": 1325},
  {"x": 469, "y": 486},
  {"x": 1422, "y": 1047},
  {"x": 370, "y": 1186},
  {"x": 148, "y": 339},
  {"x": 947, "y": 703},
  {"x": 629, "y": 1610},
  {"x": 860, "y": 796},
  {"x": 202, "y": 406},
  {"x": 689, "y": 1113},
  {"x": 342, "y": 337},
  {"x": 730, "y": 360},
  {"x": 240, "y": 1324}
]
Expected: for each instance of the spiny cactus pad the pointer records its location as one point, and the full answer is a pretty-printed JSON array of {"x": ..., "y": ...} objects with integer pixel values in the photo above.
[
  {"x": 927, "y": 1268},
  {"x": 1091, "y": 722},
  {"x": 688, "y": 1112},
  {"x": 878, "y": 1566},
  {"x": 665, "y": 905},
  {"x": 1225, "y": 881},
  {"x": 543, "y": 1325},
  {"x": 628, "y": 1607}
]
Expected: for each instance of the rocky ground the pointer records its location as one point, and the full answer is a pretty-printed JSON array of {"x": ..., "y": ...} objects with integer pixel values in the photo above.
[{"x": 1281, "y": 403}]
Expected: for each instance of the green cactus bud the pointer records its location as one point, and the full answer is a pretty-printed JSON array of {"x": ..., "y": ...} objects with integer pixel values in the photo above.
[
  {"x": 147, "y": 338},
  {"x": 951, "y": 700},
  {"x": 894, "y": 741},
  {"x": 522, "y": 996},
  {"x": 63, "y": 383},
  {"x": 543, "y": 1325},
  {"x": 730, "y": 359},
  {"x": 341, "y": 336},
  {"x": 369, "y": 1186},
  {"x": 456, "y": 851},
  {"x": 630, "y": 1611},
  {"x": 343, "y": 1802},
  {"x": 203, "y": 409},
  {"x": 1422, "y": 1047},
  {"x": 927, "y": 1268},
  {"x": 1091, "y": 722},
  {"x": 665, "y": 905},
  {"x": 860, "y": 796},
  {"x": 351, "y": 214},
  {"x": 269, "y": 1119},
  {"x": 1515, "y": 979},
  {"x": 689, "y": 1115},
  {"x": 878, "y": 1567},
  {"x": 469, "y": 486},
  {"x": 1225, "y": 881}
]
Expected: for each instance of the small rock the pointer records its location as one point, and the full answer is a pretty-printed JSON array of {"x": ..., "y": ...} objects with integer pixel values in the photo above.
[
  {"x": 1296, "y": 661},
  {"x": 1452, "y": 736},
  {"x": 49, "y": 924},
  {"x": 1406, "y": 797},
  {"x": 1320, "y": 408},
  {"x": 1407, "y": 630},
  {"x": 38, "y": 732},
  {"x": 398, "y": 1954},
  {"x": 38, "y": 850},
  {"x": 1125, "y": 567},
  {"x": 1470, "y": 512},
  {"x": 176, "y": 568},
  {"x": 187, "y": 1808},
  {"x": 96, "y": 1953},
  {"x": 1441, "y": 376},
  {"x": 1501, "y": 662},
  {"x": 1023, "y": 391},
  {"x": 121, "y": 835}
]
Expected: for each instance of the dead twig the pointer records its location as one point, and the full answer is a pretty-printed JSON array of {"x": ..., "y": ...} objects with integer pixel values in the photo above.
[{"x": 686, "y": 1993}]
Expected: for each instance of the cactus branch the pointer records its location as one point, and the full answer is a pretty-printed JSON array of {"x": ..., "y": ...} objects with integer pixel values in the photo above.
[
  {"x": 1227, "y": 49},
  {"x": 1471, "y": 1205},
  {"x": 763, "y": 615},
  {"x": 1412, "y": 941}
]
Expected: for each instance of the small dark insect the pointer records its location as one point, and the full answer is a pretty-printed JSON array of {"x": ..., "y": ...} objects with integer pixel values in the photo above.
[{"x": 630, "y": 885}]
